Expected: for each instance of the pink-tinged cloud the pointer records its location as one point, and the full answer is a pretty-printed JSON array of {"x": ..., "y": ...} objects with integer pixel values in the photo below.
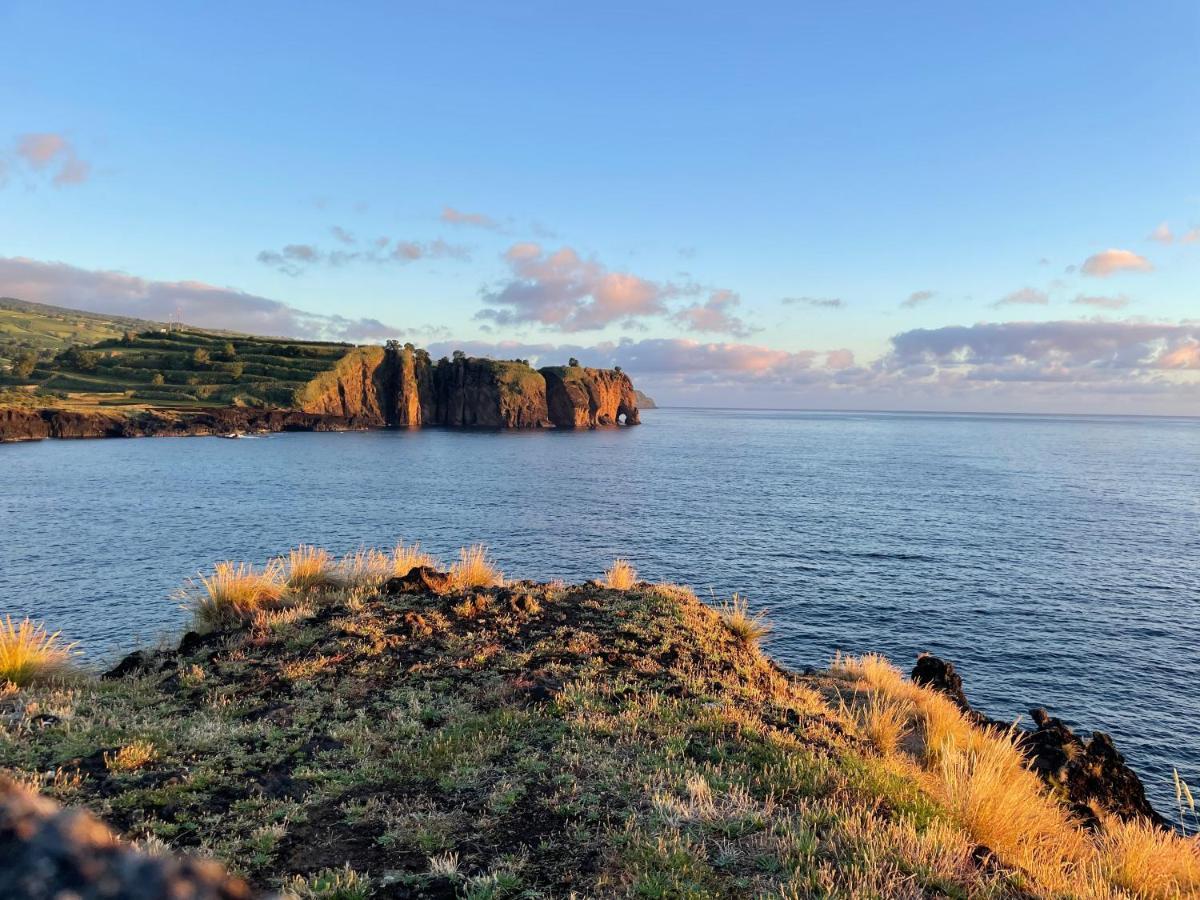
[
  {"x": 453, "y": 216},
  {"x": 1162, "y": 234},
  {"x": 295, "y": 259},
  {"x": 1112, "y": 261},
  {"x": 192, "y": 302},
  {"x": 714, "y": 315},
  {"x": 48, "y": 151},
  {"x": 1190, "y": 237},
  {"x": 916, "y": 298},
  {"x": 1024, "y": 297},
  {"x": 1100, "y": 302},
  {"x": 839, "y": 359},
  {"x": 1183, "y": 356},
  {"x": 562, "y": 290}
]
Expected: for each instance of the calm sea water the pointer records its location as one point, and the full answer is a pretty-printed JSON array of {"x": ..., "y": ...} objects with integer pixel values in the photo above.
[{"x": 1055, "y": 560}]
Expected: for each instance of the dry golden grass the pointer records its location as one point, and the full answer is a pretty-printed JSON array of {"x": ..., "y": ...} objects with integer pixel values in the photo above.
[
  {"x": 474, "y": 569},
  {"x": 981, "y": 778},
  {"x": 29, "y": 653},
  {"x": 235, "y": 591},
  {"x": 884, "y": 721},
  {"x": 131, "y": 757},
  {"x": 365, "y": 568},
  {"x": 1149, "y": 862},
  {"x": 310, "y": 568},
  {"x": 406, "y": 557},
  {"x": 620, "y": 576},
  {"x": 748, "y": 629}
]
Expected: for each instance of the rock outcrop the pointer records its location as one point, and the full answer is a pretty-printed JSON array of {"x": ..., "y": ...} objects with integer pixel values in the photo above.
[
  {"x": 644, "y": 401},
  {"x": 1091, "y": 774},
  {"x": 578, "y": 397},
  {"x": 50, "y": 853}
]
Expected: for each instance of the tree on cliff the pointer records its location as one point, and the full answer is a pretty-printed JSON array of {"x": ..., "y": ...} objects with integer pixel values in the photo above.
[
  {"x": 573, "y": 363},
  {"x": 200, "y": 357}
]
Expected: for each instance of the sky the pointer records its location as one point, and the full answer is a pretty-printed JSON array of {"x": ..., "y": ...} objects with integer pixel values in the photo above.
[{"x": 937, "y": 206}]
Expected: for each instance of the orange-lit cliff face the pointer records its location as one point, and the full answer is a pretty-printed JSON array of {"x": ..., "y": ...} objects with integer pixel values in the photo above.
[{"x": 404, "y": 387}]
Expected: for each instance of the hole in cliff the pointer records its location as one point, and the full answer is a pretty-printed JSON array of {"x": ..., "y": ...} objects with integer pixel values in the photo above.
[{"x": 621, "y": 419}]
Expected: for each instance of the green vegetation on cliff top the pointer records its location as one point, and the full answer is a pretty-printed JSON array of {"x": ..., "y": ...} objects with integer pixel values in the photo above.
[{"x": 454, "y": 737}]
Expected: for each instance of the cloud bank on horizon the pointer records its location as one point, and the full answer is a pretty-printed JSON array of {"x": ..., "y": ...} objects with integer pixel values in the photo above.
[{"x": 1042, "y": 366}]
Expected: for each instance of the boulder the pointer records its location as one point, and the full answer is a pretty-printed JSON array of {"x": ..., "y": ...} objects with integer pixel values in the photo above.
[
  {"x": 51, "y": 853},
  {"x": 419, "y": 580}
]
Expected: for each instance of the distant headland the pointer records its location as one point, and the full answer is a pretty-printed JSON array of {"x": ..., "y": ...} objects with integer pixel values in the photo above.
[{"x": 70, "y": 374}]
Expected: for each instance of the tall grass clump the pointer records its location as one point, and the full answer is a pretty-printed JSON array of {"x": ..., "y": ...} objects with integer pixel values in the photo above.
[
  {"x": 1148, "y": 861},
  {"x": 365, "y": 568},
  {"x": 406, "y": 557},
  {"x": 29, "y": 653},
  {"x": 310, "y": 568},
  {"x": 235, "y": 591},
  {"x": 620, "y": 576},
  {"x": 474, "y": 569},
  {"x": 748, "y": 628}
]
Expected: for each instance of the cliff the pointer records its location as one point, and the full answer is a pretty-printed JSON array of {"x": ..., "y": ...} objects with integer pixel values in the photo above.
[
  {"x": 578, "y": 397},
  {"x": 385, "y": 731},
  {"x": 403, "y": 386},
  {"x": 358, "y": 386}
]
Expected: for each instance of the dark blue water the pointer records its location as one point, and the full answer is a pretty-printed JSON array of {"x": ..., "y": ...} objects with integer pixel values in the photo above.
[{"x": 1056, "y": 560}]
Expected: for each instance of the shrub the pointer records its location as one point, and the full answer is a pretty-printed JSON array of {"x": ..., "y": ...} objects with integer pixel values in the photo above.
[
  {"x": 474, "y": 570},
  {"x": 620, "y": 576},
  {"x": 28, "y": 653},
  {"x": 235, "y": 591},
  {"x": 748, "y": 629}
]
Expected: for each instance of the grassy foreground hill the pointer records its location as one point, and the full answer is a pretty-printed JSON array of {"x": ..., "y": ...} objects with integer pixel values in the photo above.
[{"x": 366, "y": 729}]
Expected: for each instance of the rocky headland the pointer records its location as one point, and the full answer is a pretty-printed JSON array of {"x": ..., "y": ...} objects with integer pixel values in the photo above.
[
  {"x": 371, "y": 387},
  {"x": 386, "y": 727}
]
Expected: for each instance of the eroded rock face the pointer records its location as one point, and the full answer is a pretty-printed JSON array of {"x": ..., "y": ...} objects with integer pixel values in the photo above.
[
  {"x": 1091, "y": 774},
  {"x": 50, "y": 853},
  {"x": 485, "y": 393},
  {"x": 358, "y": 387},
  {"x": 578, "y": 397}
]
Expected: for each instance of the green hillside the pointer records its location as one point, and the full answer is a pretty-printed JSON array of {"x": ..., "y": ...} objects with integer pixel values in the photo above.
[
  {"x": 50, "y": 352},
  {"x": 49, "y": 329}
]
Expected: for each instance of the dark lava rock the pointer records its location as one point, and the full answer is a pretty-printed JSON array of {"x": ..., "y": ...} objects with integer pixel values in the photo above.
[
  {"x": 50, "y": 853},
  {"x": 1091, "y": 774},
  {"x": 419, "y": 580},
  {"x": 939, "y": 674},
  {"x": 137, "y": 661}
]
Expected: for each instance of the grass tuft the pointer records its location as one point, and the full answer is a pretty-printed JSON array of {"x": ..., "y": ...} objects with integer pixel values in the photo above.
[
  {"x": 620, "y": 576},
  {"x": 131, "y": 757},
  {"x": 474, "y": 569},
  {"x": 28, "y": 653},
  {"x": 1150, "y": 862},
  {"x": 748, "y": 629},
  {"x": 236, "y": 591},
  {"x": 406, "y": 557},
  {"x": 329, "y": 884},
  {"x": 310, "y": 568},
  {"x": 365, "y": 568}
]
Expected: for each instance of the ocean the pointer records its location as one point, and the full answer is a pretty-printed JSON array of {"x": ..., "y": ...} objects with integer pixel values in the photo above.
[{"x": 1054, "y": 559}]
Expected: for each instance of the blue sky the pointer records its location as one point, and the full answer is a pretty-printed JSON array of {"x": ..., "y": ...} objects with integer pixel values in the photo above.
[{"x": 637, "y": 185}]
